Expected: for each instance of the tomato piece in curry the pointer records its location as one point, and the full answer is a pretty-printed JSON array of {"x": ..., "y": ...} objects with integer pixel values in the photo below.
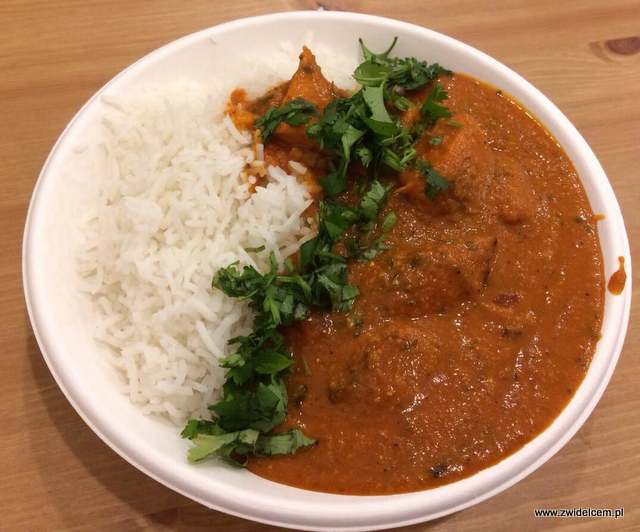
[{"x": 472, "y": 331}]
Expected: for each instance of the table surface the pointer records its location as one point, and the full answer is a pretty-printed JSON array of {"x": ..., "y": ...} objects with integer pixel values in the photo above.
[{"x": 56, "y": 474}]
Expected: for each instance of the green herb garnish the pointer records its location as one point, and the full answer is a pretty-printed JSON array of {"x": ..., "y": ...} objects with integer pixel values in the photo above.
[
  {"x": 432, "y": 109},
  {"x": 254, "y": 250},
  {"x": 245, "y": 442},
  {"x": 255, "y": 398},
  {"x": 434, "y": 182},
  {"x": 363, "y": 128},
  {"x": 295, "y": 112},
  {"x": 389, "y": 222},
  {"x": 406, "y": 73}
]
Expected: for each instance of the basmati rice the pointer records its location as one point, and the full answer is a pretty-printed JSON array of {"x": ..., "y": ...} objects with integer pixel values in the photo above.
[{"x": 172, "y": 205}]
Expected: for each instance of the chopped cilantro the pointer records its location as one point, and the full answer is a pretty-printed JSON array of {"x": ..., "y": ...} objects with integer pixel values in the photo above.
[
  {"x": 223, "y": 444},
  {"x": 389, "y": 222},
  {"x": 434, "y": 182},
  {"x": 363, "y": 128},
  {"x": 432, "y": 109},
  {"x": 295, "y": 112},
  {"x": 283, "y": 443},
  {"x": 257, "y": 249},
  {"x": 254, "y": 398},
  {"x": 372, "y": 201},
  {"x": 407, "y": 73},
  {"x": 374, "y": 98}
]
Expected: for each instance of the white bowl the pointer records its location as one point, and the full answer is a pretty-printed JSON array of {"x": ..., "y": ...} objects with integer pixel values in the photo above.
[{"x": 64, "y": 331}]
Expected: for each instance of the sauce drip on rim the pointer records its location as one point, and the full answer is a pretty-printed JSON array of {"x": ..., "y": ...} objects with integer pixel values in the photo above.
[{"x": 618, "y": 279}]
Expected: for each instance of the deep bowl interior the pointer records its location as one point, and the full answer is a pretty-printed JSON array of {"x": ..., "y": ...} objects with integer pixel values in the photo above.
[{"x": 63, "y": 324}]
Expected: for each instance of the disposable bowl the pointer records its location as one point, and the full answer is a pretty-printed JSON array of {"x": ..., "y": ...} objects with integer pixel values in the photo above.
[{"x": 63, "y": 329}]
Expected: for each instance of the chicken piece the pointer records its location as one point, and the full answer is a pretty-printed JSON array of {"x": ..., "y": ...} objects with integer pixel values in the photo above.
[
  {"x": 385, "y": 366},
  {"x": 463, "y": 158},
  {"x": 480, "y": 178},
  {"x": 514, "y": 197},
  {"x": 421, "y": 282},
  {"x": 307, "y": 83}
]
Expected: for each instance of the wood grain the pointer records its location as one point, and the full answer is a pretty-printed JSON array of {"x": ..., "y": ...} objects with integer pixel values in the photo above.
[{"x": 57, "y": 475}]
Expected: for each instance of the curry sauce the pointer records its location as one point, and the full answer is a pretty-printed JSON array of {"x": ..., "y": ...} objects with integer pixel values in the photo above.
[{"x": 471, "y": 332}]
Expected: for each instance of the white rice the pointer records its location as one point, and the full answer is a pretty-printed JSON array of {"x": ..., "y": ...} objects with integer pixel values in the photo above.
[
  {"x": 297, "y": 167},
  {"x": 171, "y": 207}
]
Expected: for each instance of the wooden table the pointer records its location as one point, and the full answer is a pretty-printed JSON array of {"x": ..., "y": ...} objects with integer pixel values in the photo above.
[{"x": 56, "y": 474}]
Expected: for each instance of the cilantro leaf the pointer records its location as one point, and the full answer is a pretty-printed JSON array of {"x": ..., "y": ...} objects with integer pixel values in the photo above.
[
  {"x": 370, "y": 74},
  {"x": 365, "y": 155},
  {"x": 247, "y": 441},
  {"x": 206, "y": 445},
  {"x": 411, "y": 74},
  {"x": 407, "y": 73},
  {"x": 377, "y": 247},
  {"x": 434, "y": 181},
  {"x": 389, "y": 222},
  {"x": 374, "y": 98},
  {"x": 373, "y": 201},
  {"x": 381, "y": 57},
  {"x": 271, "y": 362},
  {"x": 383, "y": 128},
  {"x": 262, "y": 409},
  {"x": 294, "y": 112},
  {"x": 256, "y": 249},
  {"x": 431, "y": 109},
  {"x": 199, "y": 426},
  {"x": 242, "y": 284},
  {"x": 335, "y": 181},
  {"x": 283, "y": 443},
  {"x": 348, "y": 139},
  {"x": 335, "y": 220}
]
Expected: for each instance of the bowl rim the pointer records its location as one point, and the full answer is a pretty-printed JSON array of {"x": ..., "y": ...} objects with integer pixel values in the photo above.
[{"x": 167, "y": 477}]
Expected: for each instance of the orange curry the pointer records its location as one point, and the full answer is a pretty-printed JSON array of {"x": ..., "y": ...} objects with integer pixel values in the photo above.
[{"x": 472, "y": 332}]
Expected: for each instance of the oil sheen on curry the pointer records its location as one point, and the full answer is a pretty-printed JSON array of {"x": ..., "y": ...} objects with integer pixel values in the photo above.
[{"x": 475, "y": 325}]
